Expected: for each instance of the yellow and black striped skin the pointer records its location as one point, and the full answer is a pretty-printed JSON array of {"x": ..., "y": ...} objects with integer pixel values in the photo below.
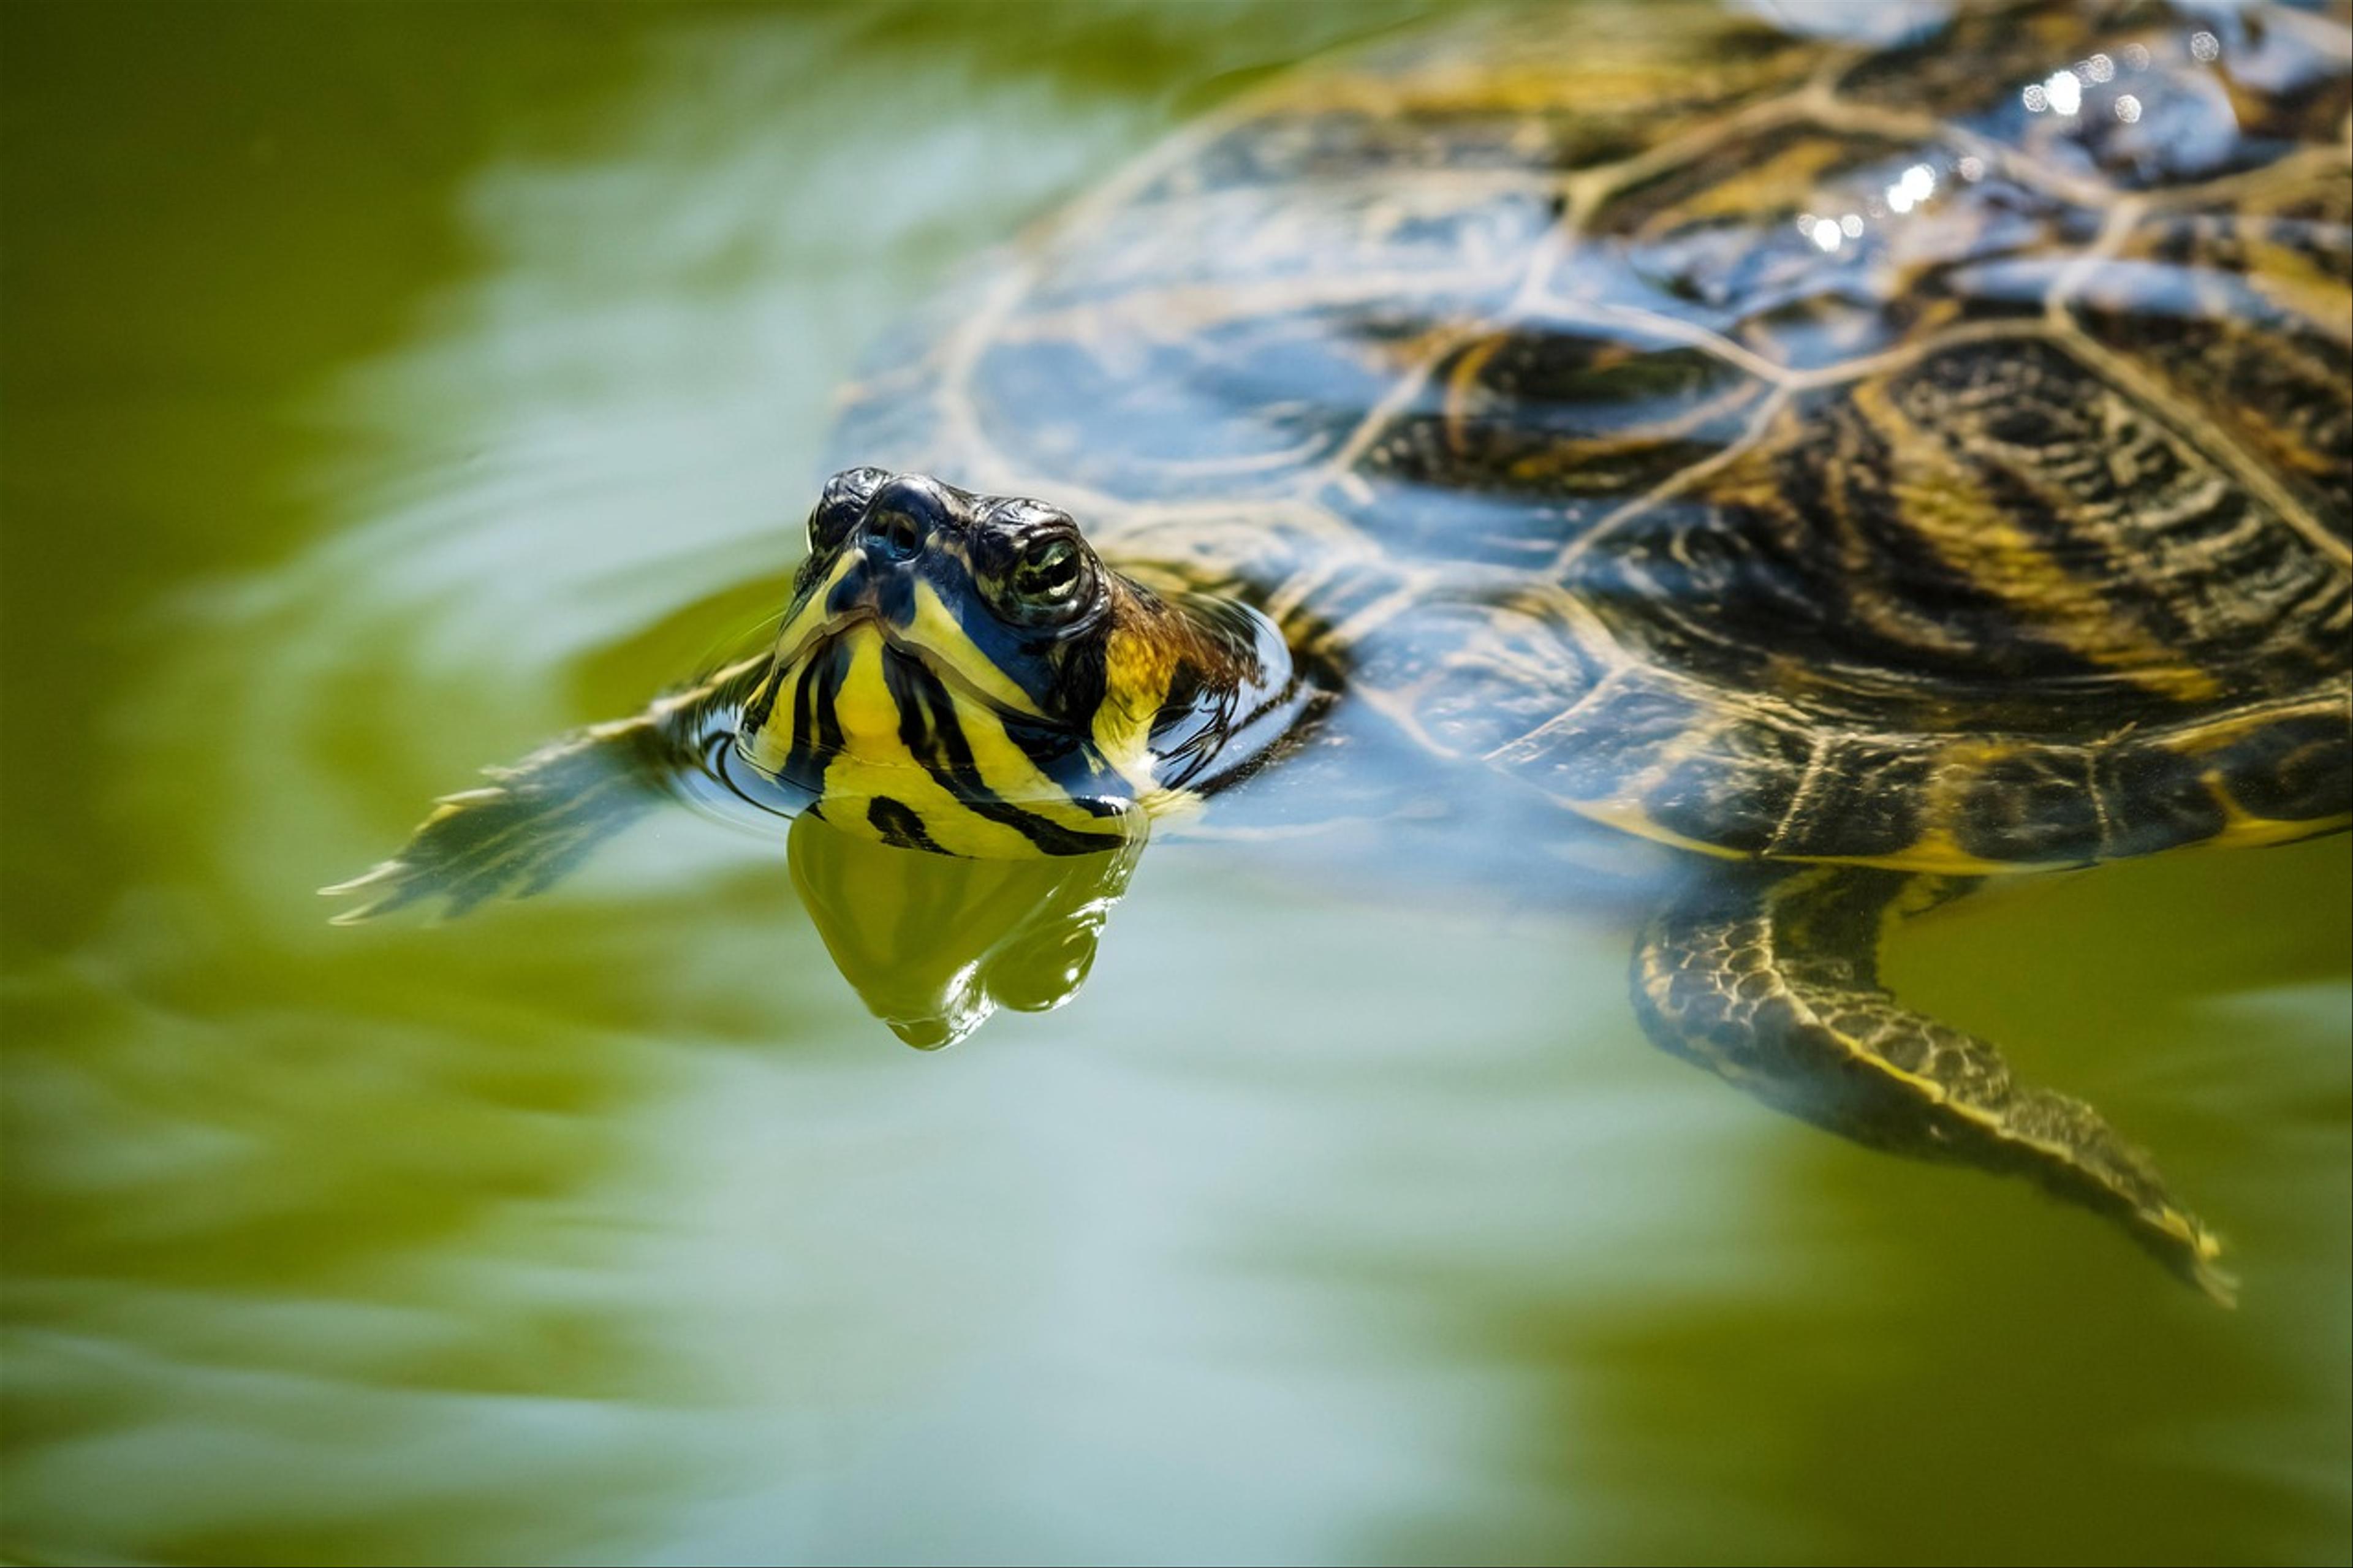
[
  {"x": 913, "y": 699},
  {"x": 1778, "y": 447}
]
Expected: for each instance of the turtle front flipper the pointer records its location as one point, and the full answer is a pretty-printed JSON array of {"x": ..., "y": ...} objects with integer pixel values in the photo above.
[
  {"x": 1769, "y": 978},
  {"x": 538, "y": 819}
]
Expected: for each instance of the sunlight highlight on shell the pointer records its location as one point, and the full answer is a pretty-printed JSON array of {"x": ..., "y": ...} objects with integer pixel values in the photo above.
[{"x": 1916, "y": 186}]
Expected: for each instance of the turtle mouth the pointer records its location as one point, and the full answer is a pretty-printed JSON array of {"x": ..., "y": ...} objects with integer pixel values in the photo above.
[{"x": 901, "y": 642}]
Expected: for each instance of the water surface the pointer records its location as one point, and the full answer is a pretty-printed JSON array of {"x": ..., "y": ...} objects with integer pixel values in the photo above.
[{"x": 386, "y": 387}]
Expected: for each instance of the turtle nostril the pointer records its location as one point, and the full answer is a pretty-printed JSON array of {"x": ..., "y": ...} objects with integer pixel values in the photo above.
[{"x": 893, "y": 536}]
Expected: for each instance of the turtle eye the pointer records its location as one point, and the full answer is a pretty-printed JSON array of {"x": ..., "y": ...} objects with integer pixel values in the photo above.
[
  {"x": 841, "y": 506},
  {"x": 1047, "y": 576}
]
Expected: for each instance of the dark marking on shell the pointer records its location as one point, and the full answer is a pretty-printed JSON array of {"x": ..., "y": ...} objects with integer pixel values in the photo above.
[
  {"x": 2153, "y": 797},
  {"x": 1738, "y": 789},
  {"x": 1866, "y": 800},
  {"x": 2298, "y": 769},
  {"x": 2034, "y": 805}
]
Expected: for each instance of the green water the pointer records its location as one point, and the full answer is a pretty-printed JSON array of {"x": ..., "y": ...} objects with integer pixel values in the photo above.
[{"x": 385, "y": 387}]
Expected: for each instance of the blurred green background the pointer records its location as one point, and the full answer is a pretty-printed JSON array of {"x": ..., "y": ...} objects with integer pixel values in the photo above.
[{"x": 384, "y": 388}]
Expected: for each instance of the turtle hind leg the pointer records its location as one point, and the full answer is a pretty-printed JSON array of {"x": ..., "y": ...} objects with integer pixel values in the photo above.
[{"x": 1769, "y": 978}]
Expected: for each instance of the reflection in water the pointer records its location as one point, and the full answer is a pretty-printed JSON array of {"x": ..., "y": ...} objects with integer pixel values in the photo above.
[{"x": 935, "y": 944}]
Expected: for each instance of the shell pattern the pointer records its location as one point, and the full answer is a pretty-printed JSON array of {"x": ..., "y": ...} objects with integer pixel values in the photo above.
[{"x": 1935, "y": 455}]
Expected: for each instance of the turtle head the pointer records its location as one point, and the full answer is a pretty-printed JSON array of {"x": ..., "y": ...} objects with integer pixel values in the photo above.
[{"x": 963, "y": 673}]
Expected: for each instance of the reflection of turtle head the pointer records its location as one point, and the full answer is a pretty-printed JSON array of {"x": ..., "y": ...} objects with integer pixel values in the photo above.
[
  {"x": 935, "y": 944},
  {"x": 962, "y": 673}
]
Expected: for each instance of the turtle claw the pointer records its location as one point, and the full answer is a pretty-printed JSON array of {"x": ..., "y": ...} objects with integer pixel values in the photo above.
[
  {"x": 383, "y": 872},
  {"x": 2219, "y": 1285},
  {"x": 392, "y": 883}
]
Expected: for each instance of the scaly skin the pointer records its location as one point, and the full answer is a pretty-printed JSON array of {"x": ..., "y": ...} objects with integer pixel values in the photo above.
[
  {"x": 538, "y": 818},
  {"x": 1769, "y": 978}
]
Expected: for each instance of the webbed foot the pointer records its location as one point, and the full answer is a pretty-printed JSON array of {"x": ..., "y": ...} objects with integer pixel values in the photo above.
[
  {"x": 517, "y": 834},
  {"x": 1769, "y": 978}
]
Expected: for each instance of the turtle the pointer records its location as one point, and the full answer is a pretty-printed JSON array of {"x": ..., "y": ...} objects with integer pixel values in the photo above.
[{"x": 1864, "y": 467}]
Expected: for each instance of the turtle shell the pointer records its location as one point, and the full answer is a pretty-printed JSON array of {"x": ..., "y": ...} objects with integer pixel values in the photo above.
[{"x": 1936, "y": 454}]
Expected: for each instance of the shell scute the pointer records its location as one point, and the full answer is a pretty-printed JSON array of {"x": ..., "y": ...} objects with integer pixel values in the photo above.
[
  {"x": 2152, "y": 797},
  {"x": 1993, "y": 531},
  {"x": 2291, "y": 769},
  {"x": 2133, "y": 96},
  {"x": 1866, "y": 799},
  {"x": 1231, "y": 407},
  {"x": 1585, "y": 756},
  {"x": 2247, "y": 315},
  {"x": 1819, "y": 245},
  {"x": 1517, "y": 441},
  {"x": 1737, "y": 787},
  {"x": 1469, "y": 678},
  {"x": 2033, "y": 805},
  {"x": 1380, "y": 235},
  {"x": 1952, "y": 69}
]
